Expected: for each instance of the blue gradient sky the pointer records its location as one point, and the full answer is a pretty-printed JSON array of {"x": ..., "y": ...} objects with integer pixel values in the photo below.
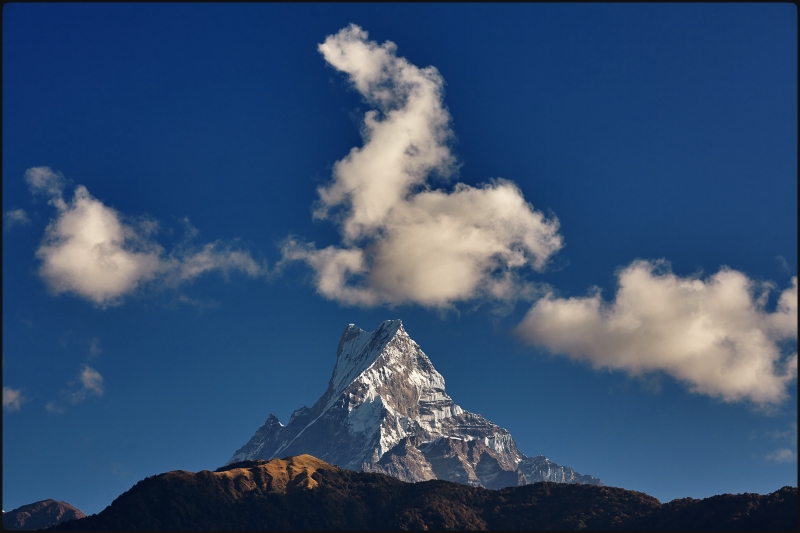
[{"x": 664, "y": 131}]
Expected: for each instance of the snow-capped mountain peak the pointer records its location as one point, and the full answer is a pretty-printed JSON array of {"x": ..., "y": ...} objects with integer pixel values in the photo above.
[
  {"x": 358, "y": 350},
  {"x": 386, "y": 410}
]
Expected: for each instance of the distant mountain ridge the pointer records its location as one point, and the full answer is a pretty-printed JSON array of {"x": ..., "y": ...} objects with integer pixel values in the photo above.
[
  {"x": 40, "y": 515},
  {"x": 386, "y": 410},
  {"x": 306, "y": 493}
]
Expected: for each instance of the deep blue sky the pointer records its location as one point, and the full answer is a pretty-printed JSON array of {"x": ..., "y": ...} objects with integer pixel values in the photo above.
[{"x": 651, "y": 131}]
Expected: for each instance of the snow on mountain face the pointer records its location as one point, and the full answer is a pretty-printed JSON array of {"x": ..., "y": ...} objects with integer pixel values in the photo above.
[{"x": 386, "y": 410}]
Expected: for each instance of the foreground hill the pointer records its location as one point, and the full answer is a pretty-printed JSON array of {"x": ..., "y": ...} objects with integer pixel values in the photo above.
[
  {"x": 40, "y": 515},
  {"x": 304, "y": 492},
  {"x": 386, "y": 410}
]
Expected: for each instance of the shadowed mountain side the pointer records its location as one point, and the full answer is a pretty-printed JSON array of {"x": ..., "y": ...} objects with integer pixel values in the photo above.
[
  {"x": 40, "y": 515},
  {"x": 777, "y": 510},
  {"x": 306, "y": 493}
]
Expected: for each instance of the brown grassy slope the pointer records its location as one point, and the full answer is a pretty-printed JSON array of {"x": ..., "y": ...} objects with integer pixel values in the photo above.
[{"x": 274, "y": 475}]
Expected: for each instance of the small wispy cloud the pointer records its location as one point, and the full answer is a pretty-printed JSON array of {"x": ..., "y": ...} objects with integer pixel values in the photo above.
[
  {"x": 88, "y": 250},
  {"x": 790, "y": 433},
  {"x": 714, "y": 335},
  {"x": 16, "y": 217},
  {"x": 43, "y": 181},
  {"x": 89, "y": 383},
  {"x": 94, "y": 347},
  {"x": 784, "y": 264},
  {"x": 120, "y": 469},
  {"x": 53, "y": 407},
  {"x": 12, "y": 399},
  {"x": 212, "y": 257},
  {"x": 782, "y": 455},
  {"x": 401, "y": 241},
  {"x": 199, "y": 304}
]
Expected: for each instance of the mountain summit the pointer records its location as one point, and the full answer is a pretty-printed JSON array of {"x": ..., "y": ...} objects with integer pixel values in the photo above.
[
  {"x": 40, "y": 515},
  {"x": 386, "y": 410}
]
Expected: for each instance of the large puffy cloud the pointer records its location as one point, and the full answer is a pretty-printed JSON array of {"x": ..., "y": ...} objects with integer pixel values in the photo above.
[
  {"x": 714, "y": 334},
  {"x": 88, "y": 250},
  {"x": 403, "y": 242},
  {"x": 404, "y": 138}
]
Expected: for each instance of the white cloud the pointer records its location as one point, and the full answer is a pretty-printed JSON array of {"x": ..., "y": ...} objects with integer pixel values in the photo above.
[
  {"x": 94, "y": 347},
  {"x": 53, "y": 407},
  {"x": 790, "y": 433},
  {"x": 404, "y": 137},
  {"x": 333, "y": 267},
  {"x": 16, "y": 217},
  {"x": 782, "y": 455},
  {"x": 714, "y": 335},
  {"x": 91, "y": 384},
  {"x": 91, "y": 381},
  {"x": 403, "y": 242},
  {"x": 42, "y": 180},
  {"x": 12, "y": 399},
  {"x": 89, "y": 251},
  {"x": 213, "y": 256},
  {"x": 199, "y": 304}
]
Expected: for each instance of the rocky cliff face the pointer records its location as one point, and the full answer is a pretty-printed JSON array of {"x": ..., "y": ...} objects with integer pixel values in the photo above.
[{"x": 386, "y": 410}]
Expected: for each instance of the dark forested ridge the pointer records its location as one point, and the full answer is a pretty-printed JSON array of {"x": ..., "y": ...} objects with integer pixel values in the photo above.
[{"x": 306, "y": 493}]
